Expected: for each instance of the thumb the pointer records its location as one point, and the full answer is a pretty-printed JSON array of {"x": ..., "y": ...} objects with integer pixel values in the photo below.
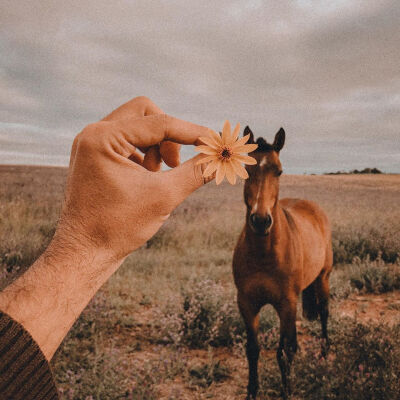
[{"x": 185, "y": 179}]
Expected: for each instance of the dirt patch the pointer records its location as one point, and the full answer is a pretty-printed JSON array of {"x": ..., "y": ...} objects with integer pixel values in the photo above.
[{"x": 372, "y": 308}]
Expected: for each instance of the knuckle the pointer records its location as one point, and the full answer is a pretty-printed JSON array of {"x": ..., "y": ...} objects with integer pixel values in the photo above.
[
  {"x": 87, "y": 138},
  {"x": 90, "y": 129},
  {"x": 143, "y": 101}
]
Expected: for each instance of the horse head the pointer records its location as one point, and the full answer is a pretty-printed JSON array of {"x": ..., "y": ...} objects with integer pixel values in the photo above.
[{"x": 261, "y": 190}]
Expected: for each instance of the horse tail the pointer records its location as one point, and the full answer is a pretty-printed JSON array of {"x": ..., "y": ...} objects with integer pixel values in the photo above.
[{"x": 310, "y": 307}]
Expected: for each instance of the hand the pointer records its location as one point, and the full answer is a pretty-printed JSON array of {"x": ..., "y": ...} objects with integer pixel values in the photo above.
[{"x": 114, "y": 199}]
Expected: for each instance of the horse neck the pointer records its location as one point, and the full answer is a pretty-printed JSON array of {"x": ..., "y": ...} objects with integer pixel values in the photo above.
[{"x": 267, "y": 243}]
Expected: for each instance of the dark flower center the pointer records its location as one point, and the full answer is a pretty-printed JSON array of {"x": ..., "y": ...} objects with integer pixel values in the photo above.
[{"x": 226, "y": 153}]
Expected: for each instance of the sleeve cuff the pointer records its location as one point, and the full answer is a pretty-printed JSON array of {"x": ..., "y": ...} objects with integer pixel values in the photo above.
[{"x": 24, "y": 371}]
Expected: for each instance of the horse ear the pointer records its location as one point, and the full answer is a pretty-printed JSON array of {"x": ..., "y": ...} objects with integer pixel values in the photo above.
[
  {"x": 248, "y": 131},
  {"x": 279, "y": 140}
]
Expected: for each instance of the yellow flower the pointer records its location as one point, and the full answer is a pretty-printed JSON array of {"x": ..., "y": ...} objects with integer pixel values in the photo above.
[{"x": 224, "y": 154}]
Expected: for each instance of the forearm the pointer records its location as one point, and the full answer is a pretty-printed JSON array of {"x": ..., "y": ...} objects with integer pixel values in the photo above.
[{"x": 52, "y": 293}]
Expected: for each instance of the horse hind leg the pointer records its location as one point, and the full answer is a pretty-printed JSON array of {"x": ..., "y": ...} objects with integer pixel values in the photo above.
[
  {"x": 322, "y": 293},
  {"x": 309, "y": 300},
  {"x": 287, "y": 343},
  {"x": 250, "y": 315}
]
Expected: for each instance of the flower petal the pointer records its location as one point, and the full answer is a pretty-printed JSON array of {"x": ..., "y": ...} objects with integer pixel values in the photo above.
[
  {"x": 226, "y": 132},
  {"x": 239, "y": 169},
  {"x": 209, "y": 141},
  {"x": 205, "y": 150},
  {"x": 215, "y": 136},
  {"x": 245, "y": 148},
  {"x": 211, "y": 168},
  {"x": 235, "y": 134},
  {"x": 220, "y": 172},
  {"x": 244, "y": 159},
  {"x": 205, "y": 159},
  {"x": 241, "y": 141},
  {"x": 230, "y": 173}
]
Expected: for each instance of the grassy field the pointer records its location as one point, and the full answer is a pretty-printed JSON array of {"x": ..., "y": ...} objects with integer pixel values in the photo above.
[{"x": 166, "y": 325}]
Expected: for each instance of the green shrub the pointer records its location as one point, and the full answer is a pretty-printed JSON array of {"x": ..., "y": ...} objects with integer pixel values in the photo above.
[
  {"x": 348, "y": 244},
  {"x": 375, "y": 276},
  {"x": 206, "y": 316}
]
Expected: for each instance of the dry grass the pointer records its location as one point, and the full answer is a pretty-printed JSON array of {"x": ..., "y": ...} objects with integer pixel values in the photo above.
[
  {"x": 120, "y": 348},
  {"x": 30, "y": 200}
]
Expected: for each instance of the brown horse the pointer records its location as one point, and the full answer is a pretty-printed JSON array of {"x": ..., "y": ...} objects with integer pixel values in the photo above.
[{"x": 284, "y": 249}]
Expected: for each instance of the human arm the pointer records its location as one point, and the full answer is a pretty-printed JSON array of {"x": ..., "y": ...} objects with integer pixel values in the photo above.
[{"x": 112, "y": 206}]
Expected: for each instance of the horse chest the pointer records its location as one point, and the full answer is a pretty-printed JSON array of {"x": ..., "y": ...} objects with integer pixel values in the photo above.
[
  {"x": 263, "y": 281},
  {"x": 262, "y": 288}
]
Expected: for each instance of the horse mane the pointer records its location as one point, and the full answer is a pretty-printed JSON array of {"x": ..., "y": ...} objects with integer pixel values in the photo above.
[{"x": 263, "y": 146}]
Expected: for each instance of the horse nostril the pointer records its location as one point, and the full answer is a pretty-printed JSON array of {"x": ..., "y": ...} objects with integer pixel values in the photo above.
[
  {"x": 268, "y": 221},
  {"x": 257, "y": 221},
  {"x": 253, "y": 219}
]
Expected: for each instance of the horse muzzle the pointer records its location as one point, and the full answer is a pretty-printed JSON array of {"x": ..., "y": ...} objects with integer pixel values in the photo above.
[{"x": 260, "y": 224}]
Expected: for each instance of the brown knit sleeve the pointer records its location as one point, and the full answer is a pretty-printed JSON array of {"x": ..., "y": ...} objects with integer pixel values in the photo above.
[{"x": 24, "y": 370}]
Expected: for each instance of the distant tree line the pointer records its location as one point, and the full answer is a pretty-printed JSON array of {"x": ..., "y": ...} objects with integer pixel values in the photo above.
[{"x": 356, "y": 171}]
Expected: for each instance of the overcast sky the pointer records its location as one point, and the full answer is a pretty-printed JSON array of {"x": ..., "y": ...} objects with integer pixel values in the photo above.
[{"x": 327, "y": 71}]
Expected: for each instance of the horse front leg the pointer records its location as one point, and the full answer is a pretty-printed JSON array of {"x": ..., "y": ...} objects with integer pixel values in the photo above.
[
  {"x": 287, "y": 343},
  {"x": 251, "y": 319}
]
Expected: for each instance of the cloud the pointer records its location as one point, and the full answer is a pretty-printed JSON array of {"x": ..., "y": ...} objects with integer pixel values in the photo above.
[
  {"x": 25, "y": 144},
  {"x": 327, "y": 73}
]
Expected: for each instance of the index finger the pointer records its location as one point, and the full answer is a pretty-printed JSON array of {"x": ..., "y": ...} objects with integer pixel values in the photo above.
[{"x": 153, "y": 129}]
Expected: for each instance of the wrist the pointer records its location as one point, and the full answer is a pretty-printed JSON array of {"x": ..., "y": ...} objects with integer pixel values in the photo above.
[{"x": 79, "y": 251}]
